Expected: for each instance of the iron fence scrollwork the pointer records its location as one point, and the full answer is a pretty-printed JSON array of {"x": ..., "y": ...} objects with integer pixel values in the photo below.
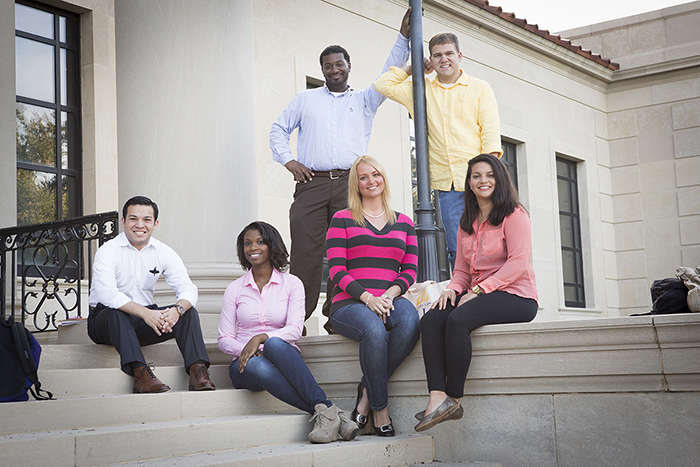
[{"x": 43, "y": 267}]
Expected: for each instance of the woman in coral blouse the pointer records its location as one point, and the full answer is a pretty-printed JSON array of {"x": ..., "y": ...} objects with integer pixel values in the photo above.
[
  {"x": 493, "y": 282},
  {"x": 262, "y": 316}
]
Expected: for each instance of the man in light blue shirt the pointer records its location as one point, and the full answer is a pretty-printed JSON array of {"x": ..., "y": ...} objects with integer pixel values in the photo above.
[{"x": 335, "y": 124}]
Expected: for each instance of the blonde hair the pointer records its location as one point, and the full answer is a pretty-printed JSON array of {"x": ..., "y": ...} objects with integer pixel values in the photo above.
[{"x": 355, "y": 198}]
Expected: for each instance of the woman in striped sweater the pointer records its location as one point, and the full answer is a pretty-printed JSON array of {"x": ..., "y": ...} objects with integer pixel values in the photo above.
[{"x": 372, "y": 255}]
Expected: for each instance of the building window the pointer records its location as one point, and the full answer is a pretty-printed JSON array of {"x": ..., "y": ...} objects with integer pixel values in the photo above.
[
  {"x": 313, "y": 83},
  {"x": 570, "y": 226},
  {"x": 47, "y": 113},
  {"x": 510, "y": 161}
]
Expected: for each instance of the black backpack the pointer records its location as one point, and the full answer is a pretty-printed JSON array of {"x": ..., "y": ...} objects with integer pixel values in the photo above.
[
  {"x": 19, "y": 359},
  {"x": 669, "y": 296}
]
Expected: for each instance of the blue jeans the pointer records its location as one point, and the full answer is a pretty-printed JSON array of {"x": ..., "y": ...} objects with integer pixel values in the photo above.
[
  {"x": 451, "y": 210},
  {"x": 282, "y": 372},
  {"x": 383, "y": 347}
]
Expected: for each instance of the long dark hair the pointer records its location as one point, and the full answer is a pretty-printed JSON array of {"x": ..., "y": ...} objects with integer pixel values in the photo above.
[
  {"x": 504, "y": 198},
  {"x": 279, "y": 257}
]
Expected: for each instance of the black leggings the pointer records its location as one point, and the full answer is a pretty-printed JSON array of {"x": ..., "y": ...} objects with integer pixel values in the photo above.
[{"x": 447, "y": 346}]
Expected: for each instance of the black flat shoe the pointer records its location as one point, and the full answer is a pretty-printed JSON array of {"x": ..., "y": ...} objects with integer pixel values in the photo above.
[
  {"x": 385, "y": 430},
  {"x": 357, "y": 417}
]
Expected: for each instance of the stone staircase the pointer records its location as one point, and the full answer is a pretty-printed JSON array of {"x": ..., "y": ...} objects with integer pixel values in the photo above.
[
  {"x": 96, "y": 420},
  {"x": 614, "y": 392}
]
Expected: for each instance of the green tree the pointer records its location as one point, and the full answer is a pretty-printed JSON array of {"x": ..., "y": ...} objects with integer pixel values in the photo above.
[{"x": 36, "y": 144}]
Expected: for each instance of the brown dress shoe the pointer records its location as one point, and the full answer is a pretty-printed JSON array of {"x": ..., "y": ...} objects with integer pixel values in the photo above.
[
  {"x": 443, "y": 413},
  {"x": 199, "y": 378},
  {"x": 146, "y": 381}
]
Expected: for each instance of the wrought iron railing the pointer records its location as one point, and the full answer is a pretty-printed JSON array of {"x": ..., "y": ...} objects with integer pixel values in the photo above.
[{"x": 44, "y": 267}]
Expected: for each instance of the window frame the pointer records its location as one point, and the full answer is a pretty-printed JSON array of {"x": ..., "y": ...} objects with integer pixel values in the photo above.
[
  {"x": 73, "y": 168},
  {"x": 571, "y": 179},
  {"x": 510, "y": 160}
]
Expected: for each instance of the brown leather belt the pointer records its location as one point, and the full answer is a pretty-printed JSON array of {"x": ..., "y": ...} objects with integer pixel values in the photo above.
[{"x": 332, "y": 174}]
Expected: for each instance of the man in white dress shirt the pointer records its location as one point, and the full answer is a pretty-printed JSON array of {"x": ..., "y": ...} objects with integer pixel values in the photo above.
[{"x": 122, "y": 313}]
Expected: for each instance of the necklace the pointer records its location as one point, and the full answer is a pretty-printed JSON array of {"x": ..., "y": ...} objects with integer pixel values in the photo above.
[{"x": 371, "y": 216}]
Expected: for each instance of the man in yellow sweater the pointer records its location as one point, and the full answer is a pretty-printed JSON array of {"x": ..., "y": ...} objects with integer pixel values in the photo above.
[{"x": 462, "y": 123}]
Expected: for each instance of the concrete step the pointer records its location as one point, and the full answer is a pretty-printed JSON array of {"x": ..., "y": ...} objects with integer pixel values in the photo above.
[
  {"x": 462, "y": 464},
  {"x": 136, "y": 441},
  {"x": 62, "y": 368},
  {"x": 364, "y": 451},
  {"x": 90, "y": 355},
  {"x": 95, "y": 411},
  {"x": 76, "y": 332},
  {"x": 102, "y": 381}
]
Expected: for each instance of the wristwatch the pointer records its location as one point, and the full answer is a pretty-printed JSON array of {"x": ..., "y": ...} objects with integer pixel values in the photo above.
[
  {"x": 180, "y": 309},
  {"x": 478, "y": 290}
]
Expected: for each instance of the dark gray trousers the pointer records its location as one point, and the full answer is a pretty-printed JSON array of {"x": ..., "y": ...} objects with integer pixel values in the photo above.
[{"x": 128, "y": 333}]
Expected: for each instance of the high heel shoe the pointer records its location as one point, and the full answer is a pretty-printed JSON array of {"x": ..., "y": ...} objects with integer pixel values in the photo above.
[
  {"x": 385, "y": 430},
  {"x": 357, "y": 417}
]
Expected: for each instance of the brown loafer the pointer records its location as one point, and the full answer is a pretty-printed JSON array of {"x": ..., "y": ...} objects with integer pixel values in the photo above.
[
  {"x": 448, "y": 407},
  {"x": 146, "y": 381},
  {"x": 199, "y": 378},
  {"x": 459, "y": 413}
]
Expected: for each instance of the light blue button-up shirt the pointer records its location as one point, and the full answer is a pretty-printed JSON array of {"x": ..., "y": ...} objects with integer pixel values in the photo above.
[{"x": 334, "y": 130}]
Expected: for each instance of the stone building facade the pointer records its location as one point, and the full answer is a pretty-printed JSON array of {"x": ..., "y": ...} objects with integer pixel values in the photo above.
[{"x": 177, "y": 99}]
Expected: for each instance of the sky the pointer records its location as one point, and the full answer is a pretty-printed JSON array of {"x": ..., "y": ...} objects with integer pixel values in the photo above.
[{"x": 559, "y": 15}]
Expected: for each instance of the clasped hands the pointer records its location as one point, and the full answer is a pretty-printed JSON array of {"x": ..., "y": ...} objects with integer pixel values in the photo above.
[
  {"x": 382, "y": 306},
  {"x": 162, "y": 321}
]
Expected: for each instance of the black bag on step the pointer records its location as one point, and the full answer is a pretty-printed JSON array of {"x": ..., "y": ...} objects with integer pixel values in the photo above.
[
  {"x": 19, "y": 360},
  {"x": 669, "y": 296}
]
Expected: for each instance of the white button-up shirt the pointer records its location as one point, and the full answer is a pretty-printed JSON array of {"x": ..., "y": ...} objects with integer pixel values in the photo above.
[{"x": 121, "y": 273}]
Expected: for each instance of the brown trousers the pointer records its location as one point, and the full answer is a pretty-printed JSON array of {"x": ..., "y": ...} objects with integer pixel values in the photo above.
[{"x": 314, "y": 205}]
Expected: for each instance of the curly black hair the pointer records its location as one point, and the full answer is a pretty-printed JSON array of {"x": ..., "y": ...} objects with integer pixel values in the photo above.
[
  {"x": 334, "y": 49},
  {"x": 279, "y": 257}
]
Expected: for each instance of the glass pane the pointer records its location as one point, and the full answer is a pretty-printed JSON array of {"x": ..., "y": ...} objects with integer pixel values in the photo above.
[
  {"x": 36, "y": 134},
  {"x": 69, "y": 197},
  {"x": 570, "y": 294},
  {"x": 34, "y": 21},
  {"x": 569, "y": 266},
  {"x": 576, "y": 232},
  {"x": 564, "y": 198},
  {"x": 68, "y": 77},
  {"x": 36, "y": 197},
  {"x": 64, "y": 76},
  {"x": 567, "y": 233},
  {"x": 62, "y": 28},
  {"x": 65, "y": 143},
  {"x": 579, "y": 268},
  {"x": 35, "y": 70},
  {"x": 562, "y": 168}
]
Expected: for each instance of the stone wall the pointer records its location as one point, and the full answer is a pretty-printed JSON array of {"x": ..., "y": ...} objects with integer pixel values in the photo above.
[
  {"x": 613, "y": 392},
  {"x": 651, "y": 200}
]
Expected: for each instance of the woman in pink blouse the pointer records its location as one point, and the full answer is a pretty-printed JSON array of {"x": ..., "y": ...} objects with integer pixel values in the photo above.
[
  {"x": 493, "y": 282},
  {"x": 262, "y": 316}
]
